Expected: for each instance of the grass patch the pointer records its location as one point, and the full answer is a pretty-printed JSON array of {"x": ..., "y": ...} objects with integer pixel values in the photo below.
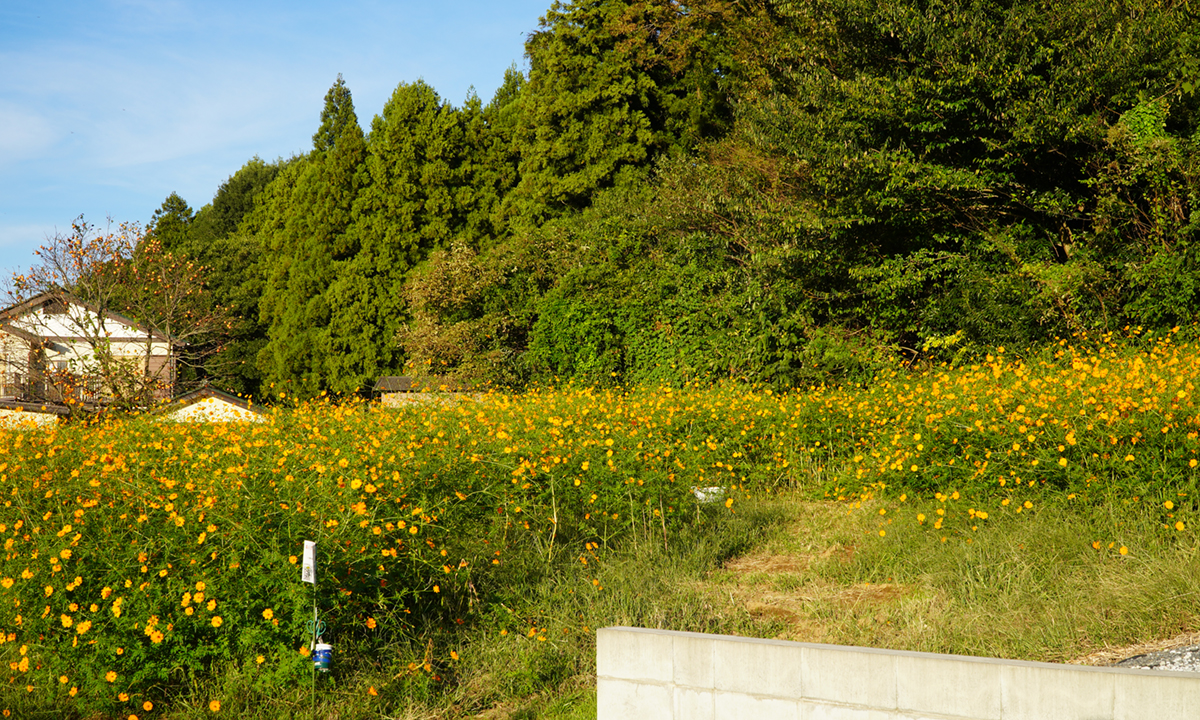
[
  {"x": 1031, "y": 506},
  {"x": 1029, "y": 586}
]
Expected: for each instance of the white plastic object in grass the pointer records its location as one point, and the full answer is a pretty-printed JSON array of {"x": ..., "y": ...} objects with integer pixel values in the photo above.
[{"x": 705, "y": 495}]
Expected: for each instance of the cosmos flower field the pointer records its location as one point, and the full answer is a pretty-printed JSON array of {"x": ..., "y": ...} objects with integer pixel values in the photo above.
[{"x": 143, "y": 559}]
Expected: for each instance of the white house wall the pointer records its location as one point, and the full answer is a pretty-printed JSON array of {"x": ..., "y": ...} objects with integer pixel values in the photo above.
[
  {"x": 82, "y": 351},
  {"x": 65, "y": 331},
  {"x": 77, "y": 321}
]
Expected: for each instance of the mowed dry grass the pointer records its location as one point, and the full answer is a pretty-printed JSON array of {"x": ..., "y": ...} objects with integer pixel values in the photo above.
[{"x": 823, "y": 578}]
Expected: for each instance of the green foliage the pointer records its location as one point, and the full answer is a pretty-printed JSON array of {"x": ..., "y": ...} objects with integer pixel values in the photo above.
[
  {"x": 611, "y": 85},
  {"x": 727, "y": 189},
  {"x": 171, "y": 224},
  {"x": 415, "y": 198},
  {"x": 1146, "y": 121},
  {"x": 306, "y": 214},
  {"x": 429, "y": 174},
  {"x": 235, "y": 197},
  {"x": 237, "y": 287},
  {"x": 338, "y": 119},
  {"x": 490, "y": 165},
  {"x": 454, "y": 326},
  {"x": 921, "y": 172}
]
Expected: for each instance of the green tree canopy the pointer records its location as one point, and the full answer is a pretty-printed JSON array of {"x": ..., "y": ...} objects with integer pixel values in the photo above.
[
  {"x": 306, "y": 212},
  {"x": 171, "y": 224},
  {"x": 612, "y": 83}
]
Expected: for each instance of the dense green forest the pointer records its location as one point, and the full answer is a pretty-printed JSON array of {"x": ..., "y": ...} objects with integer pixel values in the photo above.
[{"x": 786, "y": 192}]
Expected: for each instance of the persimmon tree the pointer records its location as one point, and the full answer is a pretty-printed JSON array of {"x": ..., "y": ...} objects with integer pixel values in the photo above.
[
  {"x": 98, "y": 302},
  {"x": 166, "y": 292}
]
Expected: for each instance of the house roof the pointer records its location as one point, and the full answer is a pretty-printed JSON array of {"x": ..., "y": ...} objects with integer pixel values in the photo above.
[
  {"x": 23, "y": 308},
  {"x": 18, "y": 332},
  {"x": 197, "y": 395}
]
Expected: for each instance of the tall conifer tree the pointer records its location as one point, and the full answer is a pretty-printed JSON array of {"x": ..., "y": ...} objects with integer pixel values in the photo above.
[
  {"x": 415, "y": 201},
  {"x": 172, "y": 223},
  {"x": 612, "y": 83},
  {"x": 305, "y": 226},
  {"x": 491, "y": 164}
]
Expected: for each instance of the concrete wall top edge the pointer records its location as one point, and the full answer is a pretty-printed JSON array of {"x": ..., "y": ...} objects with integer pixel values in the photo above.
[{"x": 908, "y": 653}]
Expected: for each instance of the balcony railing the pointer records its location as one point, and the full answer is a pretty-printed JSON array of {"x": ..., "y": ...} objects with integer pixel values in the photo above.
[{"x": 69, "y": 389}]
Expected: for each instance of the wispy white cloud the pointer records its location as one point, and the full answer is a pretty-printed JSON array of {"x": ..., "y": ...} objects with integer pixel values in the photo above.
[{"x": 106, "y": 106}]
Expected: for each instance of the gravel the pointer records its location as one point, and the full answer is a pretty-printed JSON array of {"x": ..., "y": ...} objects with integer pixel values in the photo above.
[{"x": 1184, "y": 659}]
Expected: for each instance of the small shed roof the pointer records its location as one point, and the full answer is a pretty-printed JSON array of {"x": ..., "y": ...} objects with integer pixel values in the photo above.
[
  {"x": 208, "y": 404},
  {"x": 413, "y": 383}
]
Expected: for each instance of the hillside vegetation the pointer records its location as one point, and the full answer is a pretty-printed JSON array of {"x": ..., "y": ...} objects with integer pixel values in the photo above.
[{"x": 780, "y": 192}]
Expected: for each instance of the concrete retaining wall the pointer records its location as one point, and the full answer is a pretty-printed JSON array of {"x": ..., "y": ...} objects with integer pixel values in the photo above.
[{"x": 661, "y": 675}]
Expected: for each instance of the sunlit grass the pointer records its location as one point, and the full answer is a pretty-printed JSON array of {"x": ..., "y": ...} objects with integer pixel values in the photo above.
[{"x": 1030, "y": 587}]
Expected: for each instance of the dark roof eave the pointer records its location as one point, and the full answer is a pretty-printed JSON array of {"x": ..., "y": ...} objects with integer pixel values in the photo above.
[{"x": 34, "y": 407}]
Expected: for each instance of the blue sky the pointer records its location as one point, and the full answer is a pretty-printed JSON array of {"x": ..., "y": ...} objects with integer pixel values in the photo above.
[{"x": 108, "y": 106}]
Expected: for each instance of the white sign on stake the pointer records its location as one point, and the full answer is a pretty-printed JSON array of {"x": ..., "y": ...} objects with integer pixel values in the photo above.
[{"x": 309, "y": 572}]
